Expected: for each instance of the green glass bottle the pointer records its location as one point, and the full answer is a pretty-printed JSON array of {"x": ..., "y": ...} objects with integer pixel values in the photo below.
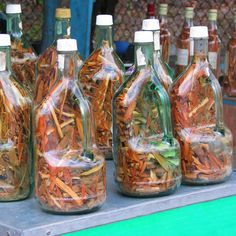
[
  {"x": 22, "y": 54},
  {"x": 70, "y": 172},
  {"x": 100, "y": 76},
  {"x": 14, "y": 130},
  {"x": 197, "y": 107},
  {"x": 146, "y": 155},
  {"x": 46, "y": 66}
]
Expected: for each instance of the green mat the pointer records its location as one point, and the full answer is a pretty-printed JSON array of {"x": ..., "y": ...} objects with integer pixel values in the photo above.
[{"x": 214, "y": 218}]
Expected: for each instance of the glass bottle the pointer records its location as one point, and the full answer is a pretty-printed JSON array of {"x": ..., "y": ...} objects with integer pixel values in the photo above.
[
  {"x": 47, "y": 67},
  {"x": 206, "y": 144},
  {"x": 159, "y": 65},
  {"x": 183, "y": 46},
  {"x": 14, "y": 130},
  {"x": 151, "y": 11},
  {"x": 70, "y": 172},
  {"x": 147, "y": 157},
  {"x": 100, "y": 76},
  {"x": 230, "y": 87},
  {"x": 214, "y": 43},
  {"x": 164, "y": 33},
  {"x": 22, "y": 54}
]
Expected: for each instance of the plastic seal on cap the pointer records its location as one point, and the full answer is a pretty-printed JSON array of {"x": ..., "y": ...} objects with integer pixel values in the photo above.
[
  {"x": 13, "y": 8},
  {"x": 104, "y": 20},
  {"x": 5, "y": 40},
  {"x": 163, "y": 9},
  {"x": 66, "y": 45},
  {"x": 63, "y": 13},
  {"x": 189, "y": 12},
  {"x": 212, "y": 14},
  {"x": 199, "y": 32},
  {"x": 143, "y": 37},
  {"x": 151, "y": 24}
]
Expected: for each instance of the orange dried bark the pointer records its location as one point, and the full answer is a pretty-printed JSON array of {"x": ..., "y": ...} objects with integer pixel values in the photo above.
[
  {"x": 67, "y": 179},
  {"x": 100, "y": 77}
]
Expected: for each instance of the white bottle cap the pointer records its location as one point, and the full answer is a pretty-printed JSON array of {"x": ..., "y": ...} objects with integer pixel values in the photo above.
[
  {"x": 5, "y": 40},
  {"x": 151, "y": 24},
  {"x": 198, "y": 32},
  {"x": 143, "y": 37},
  {"x": 66, "y": 45},
  {"x": 13, "y": 8},
  {"x": 104, "y": 20}
]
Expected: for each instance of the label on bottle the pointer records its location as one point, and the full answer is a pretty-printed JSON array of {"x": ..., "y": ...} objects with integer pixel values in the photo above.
[
  {"x": 140, "y": 57},
  {"x": 226, "y": 66},
  {"x": 182, "y": 57},
  {"x": 191, "y": 47},
  {"x": 213, "y": 59},
  {"x": 61, "y": 61},
  {"x": 68, "y": 30},
  {"x": 59, "y": 28},
  {"x": 156, "y": 40},
  {"x": 20, "y": 25},
  {"x": 3, "y": 61}
]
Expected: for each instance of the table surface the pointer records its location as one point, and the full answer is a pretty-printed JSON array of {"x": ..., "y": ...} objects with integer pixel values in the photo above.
[{"x": 25, "y": 218}]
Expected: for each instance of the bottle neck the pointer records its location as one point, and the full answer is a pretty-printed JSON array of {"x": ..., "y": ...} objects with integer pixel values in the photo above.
[
  {"x": 67, "y": 64},
  {"x": 156, "y": 37},
  {"x": 212, "y": 27},
  {"x": 62, "y": 28},
  {"x": 5, "y": 59},
  {"x": 14, "y": 25},
  {"x": 104, "y": 36},
  {"x": 143, "y": 54},
  {"x": 200, "y": 50},
  {"x": 188, "y": 22},
  {"x": 163, "y": 20}
]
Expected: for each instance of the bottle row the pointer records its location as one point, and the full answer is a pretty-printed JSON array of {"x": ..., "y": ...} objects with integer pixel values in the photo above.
[
  {"x": 184, "y": 46},
  {"x": 64, "y": 116}
]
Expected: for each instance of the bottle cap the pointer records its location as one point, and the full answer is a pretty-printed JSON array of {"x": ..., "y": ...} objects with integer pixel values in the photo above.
[
  {"x": 5, "y": 40},
  {"x": 198, "y": 32},
  {"x": 66, "y": 45},
  {"x": 63, "y": 13},
  {"x": 151, "y": 24},
  {"x": 163, "y": 9},
  {"x": 212, "y": 16},
  {"x": 151, "y": 9},
  {"x": 143, "y": 37},
  {"x": 13, "y": 8},
  {"x": 189, "y": 12},
  {"x": 104, "y": 20}
]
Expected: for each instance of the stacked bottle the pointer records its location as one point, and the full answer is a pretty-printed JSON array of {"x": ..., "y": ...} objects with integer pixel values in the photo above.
[
  {"x": 100, "y": 76},
  {"x": 70, "y": 172},
  {"x": 22, "y": 54},
  {"x": 206, "y": 144},
  {"x": 184, "y": 49},
  {"x": 14, "y": 130},
  {"x": 46, "y": 67},
  {"x": 145, "y": 153}
]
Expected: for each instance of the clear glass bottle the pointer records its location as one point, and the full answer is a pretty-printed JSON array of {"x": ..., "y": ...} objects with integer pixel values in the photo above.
[
  {"x": 14, "y": 130},
  {"x": 47, "y": 67},
  {"x": 206, "y": 144},
  {"x": 100, "y": 76},
  {"x": 165, "y": 33},
  {"x": 22, "y": 54},
  {"x": 214, "y": 43},
  {"x": 159, "y": 65},
  {"x": 230, "y": 83},
  {"x": 70, "y": 172},
  {"x": 146, "y": 155},
  {"x": 183, "y": 45}
]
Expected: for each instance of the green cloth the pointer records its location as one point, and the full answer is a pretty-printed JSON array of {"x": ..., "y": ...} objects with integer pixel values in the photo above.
[{"x": 216, "y": 218}]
